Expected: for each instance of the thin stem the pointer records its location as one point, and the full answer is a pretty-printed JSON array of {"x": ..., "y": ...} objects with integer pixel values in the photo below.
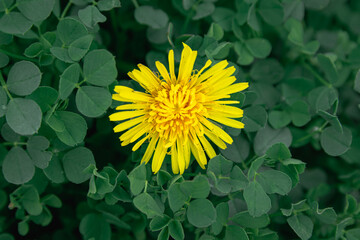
[
  {"x": 136, "y": 4},
  {"x": 3, "y": 83},
  {"x": 66, "y": 9},
  {"x": 320, "y": 129},
  {"x": 316, "y": 75},
  {"x": 16, "y": 56},
  {"x": 11, "y": 8},
  {"x": 14, "y": 143}
]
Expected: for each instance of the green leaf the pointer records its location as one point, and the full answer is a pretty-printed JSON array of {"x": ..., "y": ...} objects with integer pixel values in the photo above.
[
  {"x": 69, "y": 30},
  {"x": 36, "y": 10},
  {"x": 45, "y": 97},
  {"x": 203, "y": 10},
  {"x": 271, "y": 11},
  {"x": 137, "y": 179},
  {"x": 29, "y": 198},
  {"x": 197, "y": 188},
  {"x": 267, "y": 70},
  {"x": 329, "y": 68},
  {"x": 14, "y": 23},
  {"x": 335, "y": 143},
  {"x": 258, "y": 47},
  {"x": 279, "y": 151},
  {"x": 223, "y": 17},
  {"x": 100, "y": 67},
  {"x": 274, "y": 181},
  {"x": 257, "y": 201},
  {"x": 302, "y": 225},
  {"x": 201, "y": 213},
  {"x": 177, "y": 197},
  {"x": 4, "y": 60},
  {"x": 17, "y": 166},
  {"x": 311, "y": 47},
  {"x": 107, "y": 5},
  {"x": 36, "y": 147},
  {"x": 75, "y": 162},
  {"x": 95, "y": 226},
  {"x": 74, "y": 127},
  {"x": 244, "y": 219},
  {"x": 300, "y": 113},
  {"x": 322, "y": 98},
  {"x": 61, "y": 53},
  {"x": 216, "y": 31},
  {"x": 5, "y": 4},
  {"x": 79, "y": 47},
  {"x": 353, "y": 234},
  {"x": 93, "y": 101},
  {"x": 23, "y": 228},
  {"x": 68, "y": 80},
  {"x": 255, "y": 118},
  {"x": 23, "y": 116},
  {"x": 176, "y": 230},
  {"x": 296, "y": 32},
  {"x": 238, "y": 151},
  {"x": 24, "y": 77},
  {"x": 245, "y": 57},
  {"x": 219, "y": 165},
  {"x": 155, "y": 18},
  {"x": 255, "y": 165},
  {"x": 6, "y": 236},
  {"x": 326, "y": 215},
  {"x": 55, "y": 171},
  {"x": 253, "y": 19},
  {"x": 357, "y": 82},
  {"x": 222, "y": 214},
  {"x": 91, "y": 16},
  {"x": 164, "y": 234},
  {"x": 234, "y": 232},
  {"x": 52, "y": 201},
  {"x": 267, "y": 137},
  {"x": 147, "y": 205},
  {"x": 332, "y": 119},
  {"x": 34, "y": 50},
  {"x": 159, "y": 222}
]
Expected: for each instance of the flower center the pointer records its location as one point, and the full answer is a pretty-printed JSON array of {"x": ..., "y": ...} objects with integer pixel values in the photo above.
[{"x": 175, "y": 111}]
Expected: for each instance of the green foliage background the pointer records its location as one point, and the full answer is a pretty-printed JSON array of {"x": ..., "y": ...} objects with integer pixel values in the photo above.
[{"x": 292, "y": 173}]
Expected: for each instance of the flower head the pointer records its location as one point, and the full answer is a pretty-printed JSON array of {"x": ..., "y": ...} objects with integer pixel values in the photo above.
[{"x": 177, "y": 115}]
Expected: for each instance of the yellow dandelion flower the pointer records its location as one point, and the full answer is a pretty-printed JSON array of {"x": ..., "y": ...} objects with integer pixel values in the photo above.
[{"x": 177, "y": 115}]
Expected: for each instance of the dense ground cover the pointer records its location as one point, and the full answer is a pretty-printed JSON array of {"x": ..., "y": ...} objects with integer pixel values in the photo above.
[{"x": 292, "y": 172}]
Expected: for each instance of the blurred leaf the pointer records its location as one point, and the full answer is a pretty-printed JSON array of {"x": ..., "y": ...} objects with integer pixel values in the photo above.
[
  {"x": 203, "y": 10},
  {"x": 106, "y": 5},
  {"x": 357, "y": 82},
  {"x": 296, "y": 35},
  {"x": 253, "y": 19},
  {"x": 316, "y": 4},
  {"x": 272, "y": 11},
  {"x": 267, "y": 70},
  {"x": 244, "y": 219},
  {"x": 258, "y": 47},
  {"x": 147, "y": 15},
  {"x": 328, "y": 67},
  {"x": 234, "y": 232},
  {"x": 95, "y": 226},
  {"x": 336, "y": 143}
]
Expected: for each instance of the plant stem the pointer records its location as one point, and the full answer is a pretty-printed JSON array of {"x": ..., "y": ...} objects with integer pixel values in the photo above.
[
  {"x": 66, "y": 9},
  {"x": 14, "y": 143},
  {"x": 16, "y": 56},
  {"x": 3, "y": 83},
  {"x": 136, "y": 4}
]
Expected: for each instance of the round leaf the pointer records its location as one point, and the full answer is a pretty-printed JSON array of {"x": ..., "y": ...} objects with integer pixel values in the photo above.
[
  {"x": 258, "y": 47},
  {"x": 151, "y": 17},
  {"x": 23, "y": 116},
  {"x": 272, "y": 11},
  {"x": 100, "y": 67},
  {"x": 75, "y": 161},
  {"x": 201, "y": 213},
  {"x": 14, "y": 23},
  {"x": 93, "y": 101},
  {"x": 95, "y": 226},
  {"x": 74, "y": 130},
  {"x": 35, "y": 10},
  {"x": 17, "y": 166},
  {"x": 256, "y": 199},
  {"x": 45, "y": 97},
  {"x": 24, "y": 77},
  {"x": 267, "y": 137},
  {"x": 70, "y": 29},
  {"x": 334, "y": 142}
]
